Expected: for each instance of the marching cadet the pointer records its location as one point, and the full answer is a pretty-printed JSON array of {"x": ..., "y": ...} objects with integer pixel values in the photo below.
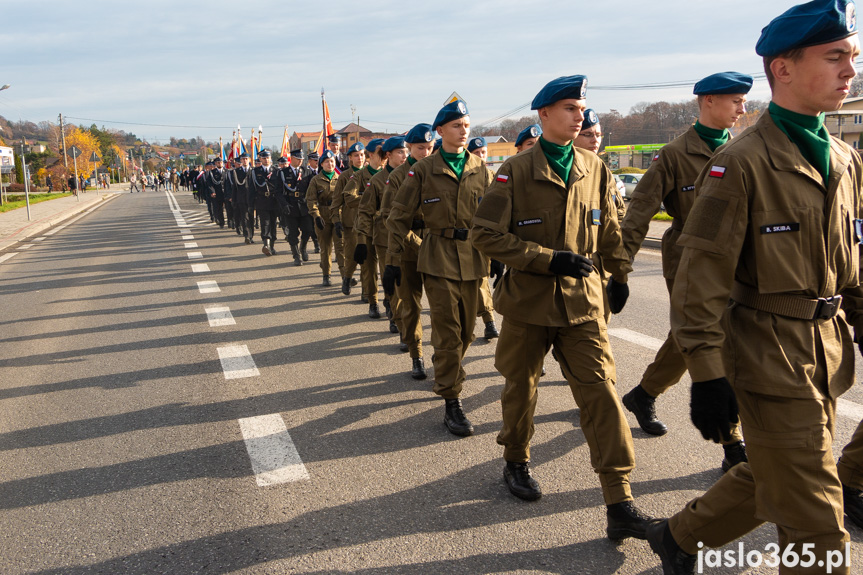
[
  {"x": 528, "y": 138},
  {"x": 229, "y": 206},
  {"x": 240, "y": 185},
  {"x": 447, "y": 186},
  {"x": 215, "y": 185},
  {"x": 344, "y": 215},
  {"x": 201, "y": 188},
  {"x": 297, "y": 218},
  {"x": 308, "y": 172},
  {"x": 670, "y": 181},
  {"x": 419, "y": 141},
  {"x": 775, "y": 229},
  {"x": 479, "y": 147},
  {"x": 590, "y": 138},
  {"x": 334, "y": 144},
  {"x": 319, "y": 198},
  {"x": 371, "y": 228},
  {"x": 547, "y": 211},
  {"x": 264, "y": 189},
  {"x": 364, "y": 255}
]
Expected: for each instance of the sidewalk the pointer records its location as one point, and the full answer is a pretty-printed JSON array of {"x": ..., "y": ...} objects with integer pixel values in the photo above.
[
  {"x": 653, "y": 239},
  {"x": 14, "y": 226}
]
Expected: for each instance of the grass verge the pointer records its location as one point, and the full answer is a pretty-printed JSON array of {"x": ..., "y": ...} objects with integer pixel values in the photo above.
[{"x": 34, "y": 199}]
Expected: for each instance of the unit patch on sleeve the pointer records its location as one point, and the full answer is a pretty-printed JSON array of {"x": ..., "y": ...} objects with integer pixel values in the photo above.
[
  {"x": 502, "y": 178},
  {"x": 779, "y": 228},
  {"x": 717, "y": 171},
  {"x": 596, "y": 215}
]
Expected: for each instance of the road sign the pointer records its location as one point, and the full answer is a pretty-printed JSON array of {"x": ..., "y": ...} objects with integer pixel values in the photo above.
[
  {"x": 452, "y": 98},
  {"x": 94, "y": 157},
  {"x": 7, "y": 160},
  {"x": 74, "y": 151},
  {"x": 182, "y": 156}
]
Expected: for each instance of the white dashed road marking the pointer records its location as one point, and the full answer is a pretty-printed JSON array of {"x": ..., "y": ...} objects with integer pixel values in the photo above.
[
  {"x": 237, "y": 362},
  {"x": 26, "y": 247},
  {"x": 218, "y": 316},
  {"x": 190, "y": 245},
  {"x": 200, "y": 268},
  {"x": 187, "y": 238},
  {"x": 195, "y": 255},
  {"x": 5, "y": 257},
  {"x": 208, "y": 287},
  {"x": 274, "y": 456}
]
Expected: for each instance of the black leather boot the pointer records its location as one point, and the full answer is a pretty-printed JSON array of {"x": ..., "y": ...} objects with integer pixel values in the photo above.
[
  {"x": 640, "y": 403},
  {"x": 734, "y": 453},
  {"x": 520, "y": 481},
  {"x": 374, "y": 312},
  {"x": 491, "y": 330},
  {"x": 296, "y": 253},
  {"x": 346, "y": 286},
  {"x": 455, "y": 419},
  {"x": 675, "y": 561},
  {"x": 626, "y": 520},
  {"x": 419, "y": 369}
]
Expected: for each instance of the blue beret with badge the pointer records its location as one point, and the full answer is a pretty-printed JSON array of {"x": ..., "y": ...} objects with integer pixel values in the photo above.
[
  {"x": 393, "y": 143},
  {"x": 327, "y": 155},
  {"x": 810, "y": 24},
  {"x": 420, "y": 134},
  {"x": 532, "y": 131},
  {"x": 452, "y": 111},
  {"x": 565, "y": 87},
  {"x": 723, "y": 83},
  {"x": 373, "y": 145},
  {"x": 437, "y": 144},
  {"x": 590, "y": 119},
  {"x": 358, "y": 147},
  {"x": 476, "y": 143}
]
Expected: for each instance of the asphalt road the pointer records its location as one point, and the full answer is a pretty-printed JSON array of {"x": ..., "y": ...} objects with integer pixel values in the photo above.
[{"x": 128, "y": 446}]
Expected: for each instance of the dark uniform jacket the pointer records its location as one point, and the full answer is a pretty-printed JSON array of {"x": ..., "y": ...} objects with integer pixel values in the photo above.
[
  {"x": 448, "y": 205},
  {"x": 294, "y": 189},
  {"x": 264, "y": 187},
  {"x": 240, "y": 183},
  {"x": 527, "y": 214},
  {"x": 215, "y": 183},
  {"x": 767, "y": 232}
]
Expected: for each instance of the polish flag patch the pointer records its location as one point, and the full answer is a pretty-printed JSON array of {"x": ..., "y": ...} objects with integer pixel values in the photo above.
[
  {"x": 502, "y": 178},
  {"x": 656, "y": 156},
  {"x": 717, "y": 171},
  {"x": 411, "y": 174}
]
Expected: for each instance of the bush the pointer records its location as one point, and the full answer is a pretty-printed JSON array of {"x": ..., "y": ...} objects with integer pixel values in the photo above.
[{"x": 15, "y": 189}]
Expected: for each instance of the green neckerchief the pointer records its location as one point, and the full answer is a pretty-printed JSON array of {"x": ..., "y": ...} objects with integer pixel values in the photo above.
[
  {"x": 328, "y": 175},
  {"x": 559, "y": 158},
  {"x": 711, "y": 136},
  {"x": 411, "y": 161},
  {"x": 371, "y": 170},
  {"x": 390, "y": 169},
  {"x": 808, "y": 134},
  {"x": 455, "y": 162},
  {"x": 355, "y": 170}
]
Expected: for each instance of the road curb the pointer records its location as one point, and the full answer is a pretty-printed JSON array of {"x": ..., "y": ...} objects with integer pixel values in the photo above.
[
  {"x": 652, "y": 243},
  {"x": 40, "y": 226}
]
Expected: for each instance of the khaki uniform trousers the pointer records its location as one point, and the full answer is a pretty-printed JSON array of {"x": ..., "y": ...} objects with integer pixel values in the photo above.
[
  {"x": 668, "y": 367},
  {"x": 369, "y": 273},
  {"x": 850, "y": 465},
  {"x": 349, "y": 240},
  {"x": 393, "y": 299},
  {"x": 791, "y": 480},
  {"x": 452, "y": 306},
  {"x": 486, "y": 305},
  {"x": 585, "y": 359},
  {"x": 329, "y": 241},
  {"x": 410, "y": 294}
]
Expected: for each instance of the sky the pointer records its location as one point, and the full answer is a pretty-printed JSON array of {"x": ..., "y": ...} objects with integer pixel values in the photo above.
[{"x": 165, "y": 68}]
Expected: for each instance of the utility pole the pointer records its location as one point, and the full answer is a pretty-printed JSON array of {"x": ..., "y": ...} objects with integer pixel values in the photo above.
[{"x": 63, "y": 137}]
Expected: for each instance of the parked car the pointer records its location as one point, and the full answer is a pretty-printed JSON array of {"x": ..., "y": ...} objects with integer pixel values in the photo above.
[
  {"x": 629, "y": 182},
  {"x": 621, "y": 187}
]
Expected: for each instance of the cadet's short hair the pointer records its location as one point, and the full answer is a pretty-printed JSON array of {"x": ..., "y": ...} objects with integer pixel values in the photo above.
[{"x": 794, "y": 54}]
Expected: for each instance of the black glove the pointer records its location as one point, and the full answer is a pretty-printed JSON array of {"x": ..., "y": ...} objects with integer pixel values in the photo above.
[
  {"x": 319, "y": 222},
  {"x": 361, "y": 253},
  {"x": 713, "y": 408},
  {"x": 617, "y": 294},
  {"x": 496, "y": 272},
  {"x": 570, "y": 264},
  {"x": 392, "y": 278},
  {"x": 338, "y": 228}
]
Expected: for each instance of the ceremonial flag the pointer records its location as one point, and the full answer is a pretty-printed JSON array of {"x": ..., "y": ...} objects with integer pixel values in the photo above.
[
  {"x": 327, "y": 129},
  {"x": 253, "y": 143},
  {"x": 260, "y": 138},
  {"x": 233, "y": 153},
  {"x": 285, "y": 144},
  {"x": 221, "y": 150}
]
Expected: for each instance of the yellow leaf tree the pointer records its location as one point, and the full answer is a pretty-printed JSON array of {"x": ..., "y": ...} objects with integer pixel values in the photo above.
[{"x": 87, "y": 143}]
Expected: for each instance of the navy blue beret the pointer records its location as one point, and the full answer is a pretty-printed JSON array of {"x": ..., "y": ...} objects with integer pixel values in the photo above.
[
  {"x": 358, "y": 147},
  {"x": 574, "y": 87},
  {"x": 533, "y": 131},
  {"x": 373, "y": 145},
  {"x": 393, "y": 143},
  {"x": 590, "y": 119},
  {"x": 810, "y": 24},
  {"x": 450, "y": 112},
  {"x": 420, "y": 134},
  {"x": 723, "y": 83},
  {"x": 314, "y": 156},
  {"x": 437, "y": 144},
  {"x": 476, "y": 143},
  {"x": 326, "y": 155},
  {"x": 297, "y": 154},
  {"x": 334, "y": 138},
  {"x": 264, "y": 154}
]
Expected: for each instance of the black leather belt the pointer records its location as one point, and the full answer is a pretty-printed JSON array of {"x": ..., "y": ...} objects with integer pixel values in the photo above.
[{"x": 461, "y": 234}]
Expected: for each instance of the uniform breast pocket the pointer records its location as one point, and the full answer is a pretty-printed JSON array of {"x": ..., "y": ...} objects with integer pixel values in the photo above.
[
  {"x": 783, "y": 249},
  {"x": 591, "y": 221},
  {"x": 436, "y": 210},
  {"x": 531, "y": 226},
  {"x": 848, "y": 272}
]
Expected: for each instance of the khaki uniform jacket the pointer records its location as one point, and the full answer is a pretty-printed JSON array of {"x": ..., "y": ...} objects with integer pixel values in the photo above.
[
  {"x": 527, "y": 214},
  {"x": 319, "y": 196},
  {"x": 370, "y": 222},
  {"x": 351, "y": 195},
  {"x": 447, "y": 203},
  {"x": 337, "y": 207},
  {"x": 669, "y": 180},
  {"x": 763, "y": 218},
  {"x": 413, "y": 241}
]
